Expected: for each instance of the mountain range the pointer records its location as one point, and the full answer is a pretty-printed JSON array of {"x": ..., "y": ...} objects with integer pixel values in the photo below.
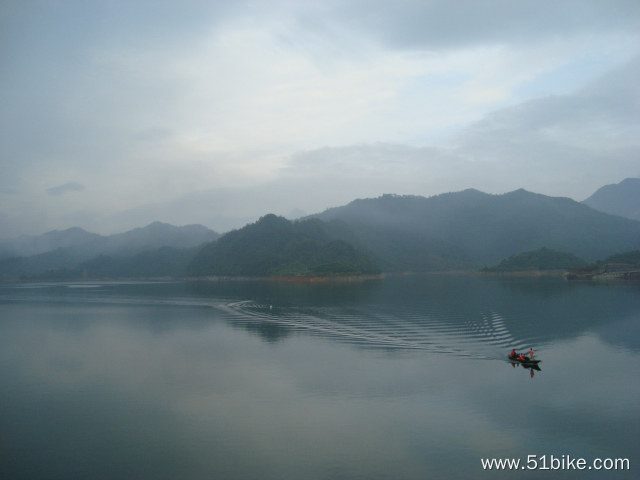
[
  {"x": 452, "y": 231},
  {"x": 73, "y": 250},
  {"x": 471, "y": 229},
  {"x": 621, "y": 199},
  {"x": 154, "y": 235}
]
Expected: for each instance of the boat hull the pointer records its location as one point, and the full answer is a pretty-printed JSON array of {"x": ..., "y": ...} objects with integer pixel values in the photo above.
[{"x": 529, "y": 361}]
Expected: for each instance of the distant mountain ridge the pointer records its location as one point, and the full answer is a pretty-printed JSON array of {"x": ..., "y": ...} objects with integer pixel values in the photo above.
[
  {"x": 393, "y": 233},
  {"x": 471, "y": 229},
  {"x": 27, "y": 245},
  {"x": 154, "y": 235},
  {"x": 621, "y": 199},
  {"x": 159, "y": 234},
  {"x": 64, "y": 251}
]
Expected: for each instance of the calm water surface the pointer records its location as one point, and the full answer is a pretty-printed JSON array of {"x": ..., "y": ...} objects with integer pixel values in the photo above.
[{"x": 401, "y": 378}]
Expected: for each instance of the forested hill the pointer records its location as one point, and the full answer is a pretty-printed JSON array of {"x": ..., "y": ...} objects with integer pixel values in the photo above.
[
  {"x": 274, "y": 246},
  {"x": 539, "y": 260},
  {"x": 391, "y": 233},
  {"x": 471, "y": 229}
]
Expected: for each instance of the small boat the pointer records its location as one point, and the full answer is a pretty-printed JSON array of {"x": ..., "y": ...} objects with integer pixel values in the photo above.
[{"x": 524, "y": 361}]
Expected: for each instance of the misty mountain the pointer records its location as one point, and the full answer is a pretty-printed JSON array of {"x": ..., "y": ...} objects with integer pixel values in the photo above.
[
  {"x": 276, "y": 246},
  {"x": 628, "y": 258},
  {"x": 75, "y": 246},
  {"x": 621, "y": 199},
  {"x": 154, "y": 235},
  {"x": 470, "y": 229},
  {"x": 27, "y": 245},
  {"x": 453, "y": 231},
  {"x": 541, "y": 259},
  {"x": 63, "y": 265},
  {"x": 161, "y": 262}
]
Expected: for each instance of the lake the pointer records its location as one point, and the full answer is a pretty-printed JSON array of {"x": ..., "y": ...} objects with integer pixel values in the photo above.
[{"x": 404, "y": 377}]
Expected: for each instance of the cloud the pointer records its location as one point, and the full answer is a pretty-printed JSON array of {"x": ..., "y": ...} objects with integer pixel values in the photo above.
[
  {"x": 307, "y": 103},
  {"x": 576, "y": 142},
  {"x": 438, "y": 24},
  {"x": 66, "y": 188}
]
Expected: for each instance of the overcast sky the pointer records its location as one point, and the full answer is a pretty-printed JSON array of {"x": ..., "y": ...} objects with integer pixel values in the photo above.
[{"x": 117, "y": 113}]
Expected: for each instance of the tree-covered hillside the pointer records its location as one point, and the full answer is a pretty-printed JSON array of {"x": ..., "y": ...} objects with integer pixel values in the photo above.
[
  {"x": 161, "y": 262},
  {"x": 629, "y": 258},
  {"x": 153, "y": 263},
  {"x": 541, "y": 259},
  {"x": 454, "y": 231},
  {"x": 275, "y": 246},
  {"x": 470, "y": 229}
]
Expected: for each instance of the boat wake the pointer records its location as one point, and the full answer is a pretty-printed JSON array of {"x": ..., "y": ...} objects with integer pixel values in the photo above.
[
  {"x": 484, "y": 337},
  {"x": 409, "y": 326}
]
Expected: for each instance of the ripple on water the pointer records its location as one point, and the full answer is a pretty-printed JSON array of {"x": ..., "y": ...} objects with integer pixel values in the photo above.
[{"x": 485, "y": 336}]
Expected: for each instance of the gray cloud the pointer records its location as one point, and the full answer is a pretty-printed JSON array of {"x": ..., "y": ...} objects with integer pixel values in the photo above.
[
  {"x": 218, "y": 112},
  {"x": 568, "y": 144},
  {"x": 437, "y": 24},
  {"x": 66, "y": 188}
]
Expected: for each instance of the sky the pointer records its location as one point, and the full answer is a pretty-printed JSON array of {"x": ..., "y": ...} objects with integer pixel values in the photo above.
[{"x": 115, "y": 114}]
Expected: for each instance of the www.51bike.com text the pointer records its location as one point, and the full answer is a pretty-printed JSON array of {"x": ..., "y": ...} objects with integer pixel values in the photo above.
[{"x": 554, "y": 462}]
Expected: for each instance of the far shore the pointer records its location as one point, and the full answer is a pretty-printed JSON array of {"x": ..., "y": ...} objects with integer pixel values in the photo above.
[
  {"x": 524, "y": 273},
  {"x": 291, "y": 278},
  {"x": 633, "y": 275}
]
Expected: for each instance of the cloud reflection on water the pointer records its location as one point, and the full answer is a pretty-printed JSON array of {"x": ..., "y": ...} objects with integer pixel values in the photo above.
[{"x": 156, "y": 390}]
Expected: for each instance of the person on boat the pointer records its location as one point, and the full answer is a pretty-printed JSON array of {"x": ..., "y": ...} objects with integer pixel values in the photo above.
[
  {"x": 513, "y": 353},
  {"x": 531, "y": 352}
]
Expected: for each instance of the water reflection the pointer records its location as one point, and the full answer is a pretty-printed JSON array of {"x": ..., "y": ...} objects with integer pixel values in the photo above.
[
  {"x": 462, "y": 315},
  {"x": 459, "y": 315},
  {"x": 402, "y": 378},
  {"x": 532, "y": 368}
]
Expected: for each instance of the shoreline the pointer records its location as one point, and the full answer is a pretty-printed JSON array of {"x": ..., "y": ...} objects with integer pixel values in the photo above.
[
  {"x": 289, "y": 278},
  {"x": 524, "y": 273},
  {"x": 633, "y": 275}
]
